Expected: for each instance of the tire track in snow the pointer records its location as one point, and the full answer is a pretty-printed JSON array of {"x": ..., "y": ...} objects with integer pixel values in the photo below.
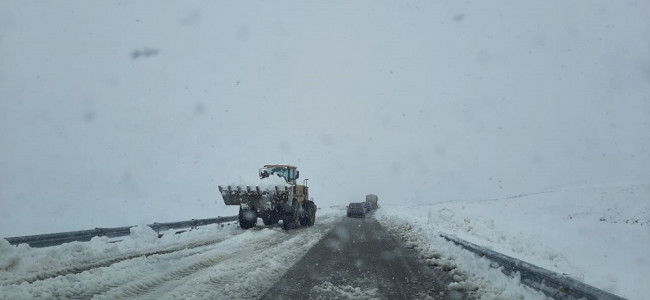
[
  {"x": 145, "y": 263},
  {"x": 244, "y": 276},
  {"x": 155, "y": 286},
  {"x": 105, "y": 262}
]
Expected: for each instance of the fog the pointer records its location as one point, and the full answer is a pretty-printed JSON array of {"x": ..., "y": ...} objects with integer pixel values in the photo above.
[{"x": 120, "y": 113}]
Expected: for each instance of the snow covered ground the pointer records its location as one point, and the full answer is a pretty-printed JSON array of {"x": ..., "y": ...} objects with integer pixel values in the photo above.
[
  {"x": 597, "y": 234},
  {"x": 203, "y": 264},
  {"x": 206, "y": 263}
]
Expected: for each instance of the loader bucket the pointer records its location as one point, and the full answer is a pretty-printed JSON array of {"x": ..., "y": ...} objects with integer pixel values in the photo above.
[{"x": 252, "y": 195}]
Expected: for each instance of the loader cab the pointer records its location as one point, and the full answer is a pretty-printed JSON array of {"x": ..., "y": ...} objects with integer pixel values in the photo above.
[{"x": 289, "y": 173}]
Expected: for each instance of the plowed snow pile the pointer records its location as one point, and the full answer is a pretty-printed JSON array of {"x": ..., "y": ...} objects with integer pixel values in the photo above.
[
  {"x": 207, "y": 262},
  {"x": 597, "y": 234}
]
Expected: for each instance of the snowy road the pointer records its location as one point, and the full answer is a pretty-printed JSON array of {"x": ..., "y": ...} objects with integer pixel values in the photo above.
[
  {"x": 337, "y": 258},
  {"x": 208, "y": 263},
  {"x": 358, "y": 259}
]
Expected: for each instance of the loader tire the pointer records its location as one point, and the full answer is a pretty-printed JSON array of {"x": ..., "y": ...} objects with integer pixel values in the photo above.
[
  {"x": 270, "y": 219},
  {"x": 291, "y": 219},
  {"x": 310, "y": 218},
  {"x": 247, "y": 218},
  {"x": 287, "y": 222}
]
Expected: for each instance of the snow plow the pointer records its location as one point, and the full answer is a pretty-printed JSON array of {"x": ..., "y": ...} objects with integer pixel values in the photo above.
[{"x": 276, "y": 197}]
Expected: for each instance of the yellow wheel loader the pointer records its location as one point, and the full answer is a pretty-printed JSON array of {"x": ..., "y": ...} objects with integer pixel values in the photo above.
[{"x": 273, "y": 199}]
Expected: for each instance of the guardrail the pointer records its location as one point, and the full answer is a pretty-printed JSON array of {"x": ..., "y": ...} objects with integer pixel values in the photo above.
[
  {"x": 552, "y": 284},
  {"x": 53, "y": 239}
]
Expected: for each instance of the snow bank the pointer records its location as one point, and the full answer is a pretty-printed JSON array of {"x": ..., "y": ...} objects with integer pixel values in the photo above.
[
  {"x": 597, "y": 234},
  {"x": 9, "y": 256},
  {"x": 25, "y": 264},
  {"x": 175, "y": 266},
  {"x": 143, "y": 233},
  {"x": 477, "y": 277}
]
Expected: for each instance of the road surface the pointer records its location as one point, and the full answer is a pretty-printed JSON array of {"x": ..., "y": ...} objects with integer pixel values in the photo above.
[
  {"x": 337, "y": 258},
  {"x": 358, "y": 259}
]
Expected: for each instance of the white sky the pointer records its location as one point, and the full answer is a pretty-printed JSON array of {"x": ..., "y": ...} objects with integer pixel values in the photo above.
[{"x": 422, "y": 101}]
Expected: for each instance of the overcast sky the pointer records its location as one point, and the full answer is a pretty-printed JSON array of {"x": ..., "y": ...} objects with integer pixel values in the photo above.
[{"x": 119, "y": 113}]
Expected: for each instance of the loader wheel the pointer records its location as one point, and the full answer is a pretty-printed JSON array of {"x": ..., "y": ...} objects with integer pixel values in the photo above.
[
  {"x": 286, "y": 222},
  {"x": 270, "y": 219},
  {"x": 296, "y": 215},
  {"x": 291, "y": 219},
  {"x": 310, "y": 219},
  {"x": 247, "y": 218},
  {"x": 311, "y": 215}
]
